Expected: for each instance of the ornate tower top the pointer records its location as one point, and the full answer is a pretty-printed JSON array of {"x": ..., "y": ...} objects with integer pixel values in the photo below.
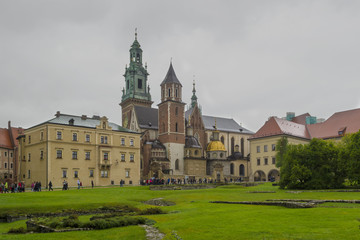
[
  {"x": 194, "y": 97},
  {"x": 171, "y": 87},
  {"x": 136, "y": 86}
]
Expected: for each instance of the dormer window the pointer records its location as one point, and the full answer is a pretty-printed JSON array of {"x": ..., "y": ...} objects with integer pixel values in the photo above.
[{"x": 104, "y": 125}]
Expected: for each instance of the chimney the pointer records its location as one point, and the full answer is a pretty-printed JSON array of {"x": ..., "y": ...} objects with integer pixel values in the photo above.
[
  {"x": 83, "y": 117},
  {"x": 57, "y": 114},
  {"x": 71, "y": 122}
]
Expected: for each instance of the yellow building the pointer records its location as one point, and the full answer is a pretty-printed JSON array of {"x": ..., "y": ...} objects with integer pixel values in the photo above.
[
  {"x": 71, "y": 148},
  {"x": 263, "y": 143}
]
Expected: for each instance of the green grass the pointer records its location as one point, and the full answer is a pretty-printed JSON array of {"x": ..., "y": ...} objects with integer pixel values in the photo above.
[{"x": 193, "y": 217}]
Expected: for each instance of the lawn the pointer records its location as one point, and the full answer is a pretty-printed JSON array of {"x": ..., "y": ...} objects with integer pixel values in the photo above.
[{"x": 193, "y": 217}]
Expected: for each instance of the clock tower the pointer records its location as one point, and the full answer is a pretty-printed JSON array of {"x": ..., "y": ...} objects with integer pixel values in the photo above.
[
  {"x": 136, "y": 90},
  {"x": 172, "y": 121}
]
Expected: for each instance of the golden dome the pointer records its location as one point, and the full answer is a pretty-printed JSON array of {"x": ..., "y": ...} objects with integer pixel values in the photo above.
[{"x": 215, "y": 146}]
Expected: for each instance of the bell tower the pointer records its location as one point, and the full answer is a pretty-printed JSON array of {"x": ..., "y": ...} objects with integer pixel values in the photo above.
[
  {"x": 136, "y": 90},
  {"x": 172, "y": 121}
]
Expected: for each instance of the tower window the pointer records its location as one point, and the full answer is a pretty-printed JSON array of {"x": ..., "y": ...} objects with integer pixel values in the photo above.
[
  {"x": 139, "y": 83},
  {"x": 176, "y": 111},
  {"x": 177, "y": 164},
  {"x": 176, "y": 92},
  {"x": 169, "y": 93},
  {"x": 138, "y": 57},
  {"x": 176, "y": 127},
  {"x": 127, "y": 84}
]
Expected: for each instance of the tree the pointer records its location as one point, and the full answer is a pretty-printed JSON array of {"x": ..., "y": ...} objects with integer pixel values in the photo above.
[
  {"x": 350, "y": 157},
  {"x": 281, "y": 148}
]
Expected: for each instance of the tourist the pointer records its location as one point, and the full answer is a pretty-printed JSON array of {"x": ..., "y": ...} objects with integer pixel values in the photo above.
[
  {"x": 92, "y": 184},
  {"x": 50, "y": 186},
  {"x": 78, "y": 183}
]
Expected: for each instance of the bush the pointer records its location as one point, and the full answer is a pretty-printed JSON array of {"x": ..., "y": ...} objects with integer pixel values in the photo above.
[
  {"x": 114, "y": 222},
  {"x": 152, "y": 211},
  {"x": 17, "y": 230}
]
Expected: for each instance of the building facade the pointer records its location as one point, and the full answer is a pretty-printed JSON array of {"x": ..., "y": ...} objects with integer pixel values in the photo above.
[
  {"x": 71, "y": 148},
  {"x": 9, "y": 151}
]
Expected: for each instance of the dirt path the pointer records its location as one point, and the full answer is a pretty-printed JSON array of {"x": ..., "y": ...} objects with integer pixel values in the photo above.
[{"x": 152, "y": 233}]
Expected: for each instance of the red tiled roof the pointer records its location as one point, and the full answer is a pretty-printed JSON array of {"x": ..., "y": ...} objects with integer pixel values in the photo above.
[
  {"x": 301, "y": 119},
  {"x": 5, "y": 141},
  {"x": 15, "y": 133},
  {"x": 276, "y": 126},
  {"x": 346, "y": 120}
]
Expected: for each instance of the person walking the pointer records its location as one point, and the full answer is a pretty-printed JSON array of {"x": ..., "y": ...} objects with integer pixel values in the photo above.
[
  {"x": 78, "y": 183},
  {"x": 50, "y": 186},
  {"x": 92, "y": 184}
]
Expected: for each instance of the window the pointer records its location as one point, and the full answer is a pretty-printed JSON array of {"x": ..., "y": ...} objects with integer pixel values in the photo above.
[
  {"x": 139, "y": 83},
  {"x": 127, "y": 84},
  {"x": 242, "y": 170},
  {"x": 29, "y": 155},
  {"x": 131, "y": 157},
  {"x": 29, "y": 174},
  {"x": 64, "y": 173},
  {"x": 58, "y": 153},
  {"x": 231, "y": 168},
  {"x": 41, "y": 136},
  {"x": 87, "y": 138},
  {"x": 265, "y": 161},
  {"x": 11, "y": 154},
  {"x": 273, "y": 147},
  {"x": 123, "y": 141},
  {"x": 176, "y": 127},
  {"x": 29, "y": 139},
  {"x": 5, "y": 153},
  {"x": 169, "y": 92},
  {"x": 104, "y": 139},
  {"x": 177, "y": 164},
  {"x": 176, "y": 92},
  {"x": 242, "y": 146},
  {"x": 87, "y": 155},
  {"x": 265, "y": 148},
  {"x": 58, "y": 135},
  {"x": 11, "y": 166},
  {"x": 131, "y": 142},
  {"x": 258, "y": 161},
  {"x": 74, "y": 136},
  {"x": 232, "y": 145},
  {"x": 196, "y": 152},
  {"x": 91, "y": 174},
  {"x": 127, "y": 173},
  {"x": 257, "y": 149},
  {"x": 176, "y": 111},
  {"x": 273, "y": 160},
  {"x": 222, "y": 139},
  {"x": 41, "y": 154},
  {"x": 123, "y": 157},
  {"x": 106, "y": 156},
  {"x": 74, "y": 154},
  {"x": 5, "y": 166},
  {"x": 104, "y": 173},
  {"x": 76, "y": 174}
]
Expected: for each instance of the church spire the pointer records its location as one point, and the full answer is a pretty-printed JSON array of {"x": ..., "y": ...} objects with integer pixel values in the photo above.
[{"x": 194, "y": 97}]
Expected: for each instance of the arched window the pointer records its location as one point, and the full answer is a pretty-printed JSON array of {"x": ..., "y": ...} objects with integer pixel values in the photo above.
[
  {"x": 232, "y": 145},
  {"x": 232, "y": 169},
  {"x": 242, "y": 146},
  {"x": 177, "y": 164},
  {"x": 138, "y": 57},
  {"x": 222, "y": 139},
  {"x": 169, "y": 92},
  {"x": 176, "y": 127},
  {"x": 242, "y": 170}
]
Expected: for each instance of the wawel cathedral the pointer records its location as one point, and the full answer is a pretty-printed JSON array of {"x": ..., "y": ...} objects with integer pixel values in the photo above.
[{"x": 175, "y": 142}]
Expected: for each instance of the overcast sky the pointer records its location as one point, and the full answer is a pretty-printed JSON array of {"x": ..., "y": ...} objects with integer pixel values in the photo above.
[{"x": 250, "y": 59}]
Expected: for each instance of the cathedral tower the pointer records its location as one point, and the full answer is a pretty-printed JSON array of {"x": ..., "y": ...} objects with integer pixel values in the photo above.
[
  {"x": 136, "y": 90},
  {"x": 172, "y": 121}
]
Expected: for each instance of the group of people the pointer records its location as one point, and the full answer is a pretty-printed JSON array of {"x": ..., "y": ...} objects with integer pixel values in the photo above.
[
  {"x": 36, "y": 187},
  {"x": 6, "y": 187},
  {"x": 156, "y": 181}
]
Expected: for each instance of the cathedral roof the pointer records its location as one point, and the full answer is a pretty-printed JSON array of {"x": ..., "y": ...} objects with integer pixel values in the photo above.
[
  {"x": 171, "y": 76},
  {"x": 224, "y": 125},
  {"x": 147, "y": 117},
  {"x": 157, "y": 145}
]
